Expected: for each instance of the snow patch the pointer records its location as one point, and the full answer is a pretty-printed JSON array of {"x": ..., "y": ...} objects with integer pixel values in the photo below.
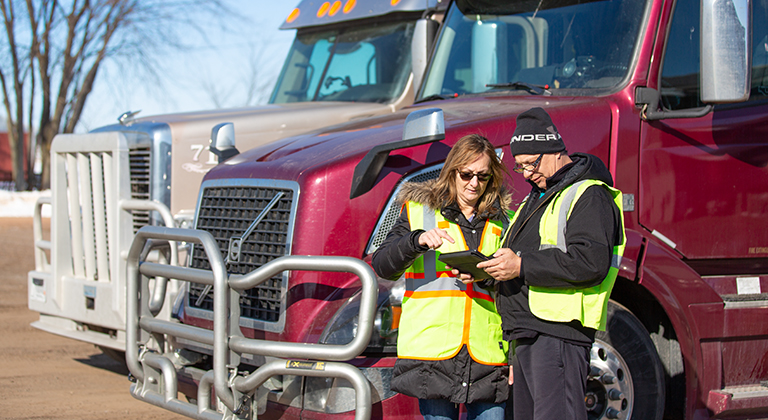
[{"x": 22, "y": 203}]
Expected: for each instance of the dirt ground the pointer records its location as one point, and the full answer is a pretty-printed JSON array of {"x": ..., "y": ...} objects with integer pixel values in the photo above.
[{"x": 44, "y": 376}]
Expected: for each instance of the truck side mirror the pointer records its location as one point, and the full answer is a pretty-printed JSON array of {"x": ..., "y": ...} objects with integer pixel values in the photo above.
[
  {"x": 726, "y": 59},
  {"x": 425, "y": 124},
  {"x": 223, "y": 141},
  {"x": 421, "y": 127},
  {"x": 421, "y": 45}
]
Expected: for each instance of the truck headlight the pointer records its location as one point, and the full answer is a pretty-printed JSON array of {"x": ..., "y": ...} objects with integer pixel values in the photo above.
[{"x": 343, "y": 326}]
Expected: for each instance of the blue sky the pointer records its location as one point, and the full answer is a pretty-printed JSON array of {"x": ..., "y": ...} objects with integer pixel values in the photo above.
[{"x": 217, "y": 67}]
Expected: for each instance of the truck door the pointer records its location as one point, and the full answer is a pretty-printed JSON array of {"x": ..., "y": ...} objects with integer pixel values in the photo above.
[{"x": 704, "y": 181}]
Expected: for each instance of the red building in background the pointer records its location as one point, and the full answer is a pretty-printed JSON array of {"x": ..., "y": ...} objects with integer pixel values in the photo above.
[{"x": 6, "y": 165}]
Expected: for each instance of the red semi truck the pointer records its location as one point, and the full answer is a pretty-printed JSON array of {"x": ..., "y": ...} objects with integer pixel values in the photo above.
[{"x": 671, "y": 95}]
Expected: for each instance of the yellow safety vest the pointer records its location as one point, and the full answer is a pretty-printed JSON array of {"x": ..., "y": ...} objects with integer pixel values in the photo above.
[
  {"x": 586, "y": 305},
  {"x": 440, "y": 314}
]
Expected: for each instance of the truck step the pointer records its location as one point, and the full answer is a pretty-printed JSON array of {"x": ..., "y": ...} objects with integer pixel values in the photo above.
[
  {"x": 753, "y": 300},
  {"x": 742, "y": 400}
]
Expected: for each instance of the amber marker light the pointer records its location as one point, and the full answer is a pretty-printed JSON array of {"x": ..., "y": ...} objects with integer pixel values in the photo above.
[
  {"x": 349, "y": 6},
  {"x": 294, "y": 14},
  {"x": 394, "y": 2},
  {"x": 335, "y": 8},
  {"x": 323, "y": 9}
]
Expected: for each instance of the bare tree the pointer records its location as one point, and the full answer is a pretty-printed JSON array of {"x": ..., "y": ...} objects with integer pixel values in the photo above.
[
  {"x": 258, "y": 84},
  {"x": 253, "y": 86},
  {"x": 21, "y": 65},
  {"x": 56, "y": 48}
]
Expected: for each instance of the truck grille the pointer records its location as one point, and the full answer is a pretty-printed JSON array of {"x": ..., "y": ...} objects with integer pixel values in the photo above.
[
  {"x": 139, "y": 166},
  {"x": 86, "y": 197},
  {"x": 92, "y": 176},
  {"x": 227, "y": 212}
]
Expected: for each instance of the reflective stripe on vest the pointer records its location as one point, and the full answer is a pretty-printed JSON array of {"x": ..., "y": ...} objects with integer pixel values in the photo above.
[
  {"x": 440, "y": 314},
  {"x": 586, "y": 305}
]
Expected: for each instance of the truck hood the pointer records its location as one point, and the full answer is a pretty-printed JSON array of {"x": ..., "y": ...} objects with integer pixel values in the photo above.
[
  {"x": 284, "y": 118},
  {"x": 492, "y": 116},
  {"x": 190, "y": 135}
]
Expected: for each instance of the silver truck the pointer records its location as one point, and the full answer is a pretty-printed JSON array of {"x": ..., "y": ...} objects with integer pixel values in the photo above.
[{"x": 362, "y": 60}]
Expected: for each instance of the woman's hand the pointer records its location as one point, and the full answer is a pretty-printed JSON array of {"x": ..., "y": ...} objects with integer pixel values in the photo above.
[
  {"x": 465, "y": 278},
  {"x": 433, "y": 238}
]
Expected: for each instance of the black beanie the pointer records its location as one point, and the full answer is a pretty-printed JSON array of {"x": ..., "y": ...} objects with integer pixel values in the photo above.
[{"x": 535, "y": 134}]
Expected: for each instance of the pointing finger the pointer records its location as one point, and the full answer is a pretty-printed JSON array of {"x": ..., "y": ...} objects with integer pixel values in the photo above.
[{"x": 443, "y": 234}]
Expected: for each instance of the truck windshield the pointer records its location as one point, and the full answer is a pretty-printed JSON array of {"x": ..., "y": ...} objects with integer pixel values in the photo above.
[
  {"x": 535, "y": 47},
  {"x": 363, "y": 64}
]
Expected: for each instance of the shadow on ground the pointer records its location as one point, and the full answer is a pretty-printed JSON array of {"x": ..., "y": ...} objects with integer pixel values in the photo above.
[{"x": 106, "y": 361}]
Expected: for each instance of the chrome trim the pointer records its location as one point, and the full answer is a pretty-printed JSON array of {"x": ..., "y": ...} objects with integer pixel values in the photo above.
[
  {"x": 234, "y": 390},
  {"x": 263, "y": 183}
]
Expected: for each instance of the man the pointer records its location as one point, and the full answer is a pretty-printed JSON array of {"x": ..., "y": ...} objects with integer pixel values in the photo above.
[{"x": 556, "y": 270}]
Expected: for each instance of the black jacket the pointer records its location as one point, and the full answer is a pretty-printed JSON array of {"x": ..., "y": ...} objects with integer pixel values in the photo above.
[
  {"x": 593, "y": 229},
  {"x": 459, "y": 379}
]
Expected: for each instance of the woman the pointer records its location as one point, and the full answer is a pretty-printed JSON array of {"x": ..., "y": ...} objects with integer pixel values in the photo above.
[{"x": 450, "y": 347}]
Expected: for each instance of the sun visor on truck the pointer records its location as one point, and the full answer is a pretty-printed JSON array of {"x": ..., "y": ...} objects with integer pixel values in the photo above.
[
  {"x": 317, "y": 12},
  {"x": 496, "y": 7}
]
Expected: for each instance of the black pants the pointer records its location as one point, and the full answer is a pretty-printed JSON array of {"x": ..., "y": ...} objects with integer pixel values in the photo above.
[{"x": 550, "y": 379}]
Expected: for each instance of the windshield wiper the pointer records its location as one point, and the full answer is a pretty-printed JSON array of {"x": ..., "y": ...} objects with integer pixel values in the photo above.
[
  {"x": 535, "y": 89},
  {"x": 435, "y": 98}
]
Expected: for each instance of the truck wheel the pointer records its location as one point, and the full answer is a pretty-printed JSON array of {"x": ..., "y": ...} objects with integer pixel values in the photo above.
[{"x": 626, "y": 378}]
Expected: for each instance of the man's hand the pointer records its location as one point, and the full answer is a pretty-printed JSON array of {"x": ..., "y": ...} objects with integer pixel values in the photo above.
[
  {"x": 433, "y": 238},
  {"x": 505, "y": 265}
]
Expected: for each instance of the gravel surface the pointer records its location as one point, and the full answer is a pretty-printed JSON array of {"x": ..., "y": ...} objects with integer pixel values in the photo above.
[{"x": 44, "y": 376}]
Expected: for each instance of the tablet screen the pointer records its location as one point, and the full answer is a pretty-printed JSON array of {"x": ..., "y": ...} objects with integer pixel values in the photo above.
[{"x": 466, "y": 262}]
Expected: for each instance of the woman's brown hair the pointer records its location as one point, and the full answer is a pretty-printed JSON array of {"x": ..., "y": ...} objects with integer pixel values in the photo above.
[{"x": 462, "y": 154}]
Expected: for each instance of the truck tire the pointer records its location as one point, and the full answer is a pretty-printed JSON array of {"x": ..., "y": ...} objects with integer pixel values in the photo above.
[{"x": 626, "y": 378}]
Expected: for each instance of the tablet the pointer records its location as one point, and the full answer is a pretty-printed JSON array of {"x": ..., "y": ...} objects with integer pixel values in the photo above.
[{"x": 466, "y": 262}]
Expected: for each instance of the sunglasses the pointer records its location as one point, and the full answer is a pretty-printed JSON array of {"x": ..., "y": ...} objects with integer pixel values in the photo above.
[
  {"x": 467, "y": 176},
  {"x": 530, "y": 167}
]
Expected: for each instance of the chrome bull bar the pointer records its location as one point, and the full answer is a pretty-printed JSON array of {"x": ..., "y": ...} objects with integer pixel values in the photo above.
[{"x": 155, "y": 374}]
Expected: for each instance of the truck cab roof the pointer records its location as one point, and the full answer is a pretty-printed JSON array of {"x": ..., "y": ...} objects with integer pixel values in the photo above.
[{"x": 317, "y": 13}]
